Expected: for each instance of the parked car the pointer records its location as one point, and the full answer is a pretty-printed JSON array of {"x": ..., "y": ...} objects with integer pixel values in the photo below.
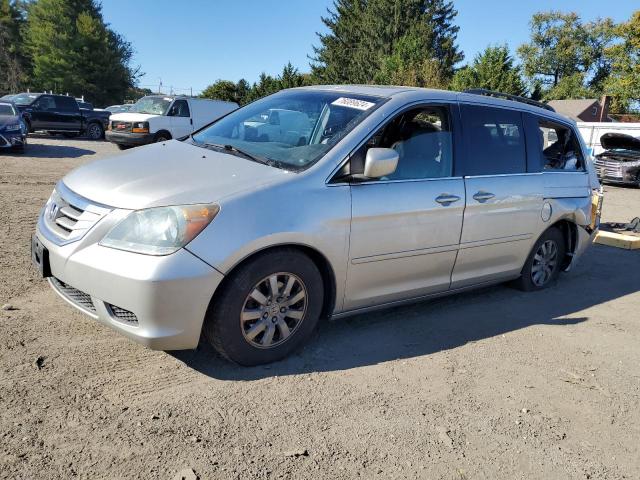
[
  {"x": 373, "y": 197},
  {"x": 620, "y": 161},
  {"x": 13, "y": 132},
  {"x": 60, "y": 114},
  {"x": 157, "y": 118},
  {"x": 118, "y": 108}
]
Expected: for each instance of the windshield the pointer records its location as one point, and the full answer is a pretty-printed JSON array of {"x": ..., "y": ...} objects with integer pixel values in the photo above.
[
  {"x": 151, "y": 105},
  {"x": 7, "y": 109},
  {"x": 291, "y": 129},
  {"x": 25, "y": 98}
]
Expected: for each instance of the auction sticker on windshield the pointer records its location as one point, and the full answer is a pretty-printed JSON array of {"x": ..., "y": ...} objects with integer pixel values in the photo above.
[{"x": 353, "y": 103}]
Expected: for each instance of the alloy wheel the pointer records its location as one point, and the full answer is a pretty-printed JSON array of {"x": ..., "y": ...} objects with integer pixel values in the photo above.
[
  {"x": 95, "y": 132},
  {"x": 545, "y": 262},
  {"x": 274, "y": 309}
]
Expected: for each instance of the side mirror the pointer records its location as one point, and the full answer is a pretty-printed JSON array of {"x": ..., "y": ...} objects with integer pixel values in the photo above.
[{"x": 380, "y": 162}]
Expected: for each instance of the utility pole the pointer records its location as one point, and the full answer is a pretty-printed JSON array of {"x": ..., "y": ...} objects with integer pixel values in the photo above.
[{"x": 160, "y": 85}]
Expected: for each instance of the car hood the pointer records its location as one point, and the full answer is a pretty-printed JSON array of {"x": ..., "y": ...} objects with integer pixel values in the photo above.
[
  {"x": 132, "y": 117},
  {"x": 168, "y": 173},
  {"x": 8, "y": 120},
  {"x": 611, "y": 141}
]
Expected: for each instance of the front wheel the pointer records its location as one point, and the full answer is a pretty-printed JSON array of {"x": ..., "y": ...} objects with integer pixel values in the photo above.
[
  {"x": 95, "y": 131},
  {"x": 544, "y": 262},
  {"x": 266, "y": 308}
]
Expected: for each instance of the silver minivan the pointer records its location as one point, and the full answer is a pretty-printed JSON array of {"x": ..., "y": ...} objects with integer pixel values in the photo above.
[{"x": 318, "y": 202}]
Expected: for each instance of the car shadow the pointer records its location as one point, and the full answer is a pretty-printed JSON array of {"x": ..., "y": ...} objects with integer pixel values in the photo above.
[
  {"x": 38, "y": 150},
  {"x": 604, "y": 274}
]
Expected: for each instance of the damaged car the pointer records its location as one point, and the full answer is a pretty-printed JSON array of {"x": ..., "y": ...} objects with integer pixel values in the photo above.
[
  {"x": 620, "y": 161},
  {"x": 318, "y": 202}
]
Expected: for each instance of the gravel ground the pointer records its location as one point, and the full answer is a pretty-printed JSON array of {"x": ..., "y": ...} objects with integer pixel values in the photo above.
[{"x": 494, "y": 384}]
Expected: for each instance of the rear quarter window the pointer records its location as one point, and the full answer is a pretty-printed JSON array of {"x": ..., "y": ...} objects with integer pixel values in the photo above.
[{"x": 495, "y": 142}]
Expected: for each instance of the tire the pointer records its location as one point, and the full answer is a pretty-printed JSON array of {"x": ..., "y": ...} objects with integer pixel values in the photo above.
[
  {"x": 22, "y": 148},
  {"x": 95, "y": 131},
  {"x": 162, "y": 137},
  {"x": 123, "y": 147},
  {"x": 542, "y": 266},
  {"x": 236, "y": 339}
]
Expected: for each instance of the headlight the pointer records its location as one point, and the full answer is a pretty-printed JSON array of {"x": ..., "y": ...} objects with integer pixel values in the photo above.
[
  {"x": 140, "y": 127},
  {"x": 13, "y": 128},
  {"x": 160, "y": 231}
]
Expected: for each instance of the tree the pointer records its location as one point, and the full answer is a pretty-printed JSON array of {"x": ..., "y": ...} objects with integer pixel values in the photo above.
[
  {"x": 243, "y": 93},
  {"x": 408, "y": 41},
  {"x": 624, "y": 81},
  {"x": 221, "y": 90},
  {"x": 13, "y": 62},
  {"x": 570, "y": 86},
  {"x": 73, "y": 50},
  {"x": 492, "y": 69},
  {"x": 562, "y": 46}
]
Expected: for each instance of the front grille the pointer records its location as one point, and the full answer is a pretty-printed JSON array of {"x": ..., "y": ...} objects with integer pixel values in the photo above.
[
  {"x": 69, "y": 216},
  {"x": 606, "y": 168},
  {"x": 118, "y": 126},
  {"x": 123, "y": 315},
  {"x": 74, "y": 295}
]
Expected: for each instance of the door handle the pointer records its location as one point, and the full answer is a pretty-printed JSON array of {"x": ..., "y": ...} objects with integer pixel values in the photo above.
[
  {"x": 483, "y": 196},
  {"x": 446, "y": 199}
]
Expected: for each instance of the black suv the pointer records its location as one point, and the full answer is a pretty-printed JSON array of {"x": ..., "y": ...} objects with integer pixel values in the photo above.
[{"x": 60, "y": 114}]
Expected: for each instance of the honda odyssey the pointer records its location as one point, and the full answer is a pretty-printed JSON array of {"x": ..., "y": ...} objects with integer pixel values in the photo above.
[{"x": 318, "y": 202}]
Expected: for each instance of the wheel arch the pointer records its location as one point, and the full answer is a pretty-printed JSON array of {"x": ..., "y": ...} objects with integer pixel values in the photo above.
[
  {"x": 165, "y": 132},
  {"x": 320, "y": 261},
  {"x": 569, "y": 232}
]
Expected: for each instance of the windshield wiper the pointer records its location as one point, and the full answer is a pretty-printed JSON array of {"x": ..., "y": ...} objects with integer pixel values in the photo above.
[{"x": 236, "y": 150}]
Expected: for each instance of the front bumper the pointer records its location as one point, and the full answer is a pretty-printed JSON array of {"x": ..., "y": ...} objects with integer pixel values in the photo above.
[
  {"x": 624, "y": 175},
  {"x": 129, "y": 139},
  {"x": 12, "y": 139},
  {"x": 166, "y": 296}
]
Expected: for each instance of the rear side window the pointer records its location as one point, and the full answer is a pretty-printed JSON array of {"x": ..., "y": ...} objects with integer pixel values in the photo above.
[
  {"x": 495, "y": 141},
  {"x": 66, "y": 104},
  {"x": 558, "y": 147}
]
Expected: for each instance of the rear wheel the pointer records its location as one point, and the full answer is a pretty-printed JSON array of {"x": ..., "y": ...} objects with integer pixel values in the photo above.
[
  {"x": 544, "y": 262},
  {"x": 266, "y": 308}
]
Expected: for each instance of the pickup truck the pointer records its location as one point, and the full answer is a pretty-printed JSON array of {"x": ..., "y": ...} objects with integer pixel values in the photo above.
[{"x": 60, "y": 114}]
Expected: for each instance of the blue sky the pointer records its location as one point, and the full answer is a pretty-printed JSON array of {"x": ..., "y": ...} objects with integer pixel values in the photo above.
[{"x": 191, "y": 43}]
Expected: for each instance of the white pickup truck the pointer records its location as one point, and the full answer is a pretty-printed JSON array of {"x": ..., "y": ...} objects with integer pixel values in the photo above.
[{"x": 157, "y": 118}]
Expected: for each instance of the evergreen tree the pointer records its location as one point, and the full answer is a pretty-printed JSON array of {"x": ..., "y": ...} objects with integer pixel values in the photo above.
[
  {"x": 73, "y": 51},
  {"x": 13, "y": 61},
  {"x": 388, "y": 41},
  {"x": 492, "y": 69}
]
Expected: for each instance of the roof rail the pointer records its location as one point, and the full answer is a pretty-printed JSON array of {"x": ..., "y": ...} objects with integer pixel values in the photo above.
[{"x": 507, "y": 96}]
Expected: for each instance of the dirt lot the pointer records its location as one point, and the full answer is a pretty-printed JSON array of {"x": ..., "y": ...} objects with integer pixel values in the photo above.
[{"x": 493, "y": 384}]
